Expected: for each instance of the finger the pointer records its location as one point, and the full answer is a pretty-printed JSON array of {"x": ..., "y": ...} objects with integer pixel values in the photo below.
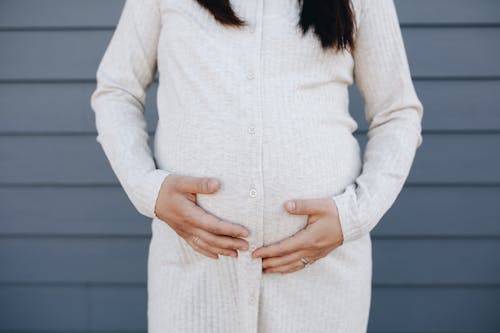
[
  {"x": 224, "y": 252},
  {"x": 283, "y": 260},
  {"x": 294, "y": 243},
  {"x": 210, "y": 223},
  {"x": 294, "y": 269},
  {"x": 205, "y": 185},
  {"x": 291, "y": 267},
  {"x": 222, "y": 242},
  {"x": 217, "y": 250},
  {"x": 198, "y": 245},
  {"x": 305, "y": 206}
]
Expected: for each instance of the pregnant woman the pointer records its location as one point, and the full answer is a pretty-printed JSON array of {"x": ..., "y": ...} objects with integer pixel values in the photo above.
[{"x": 261, "y": 205}]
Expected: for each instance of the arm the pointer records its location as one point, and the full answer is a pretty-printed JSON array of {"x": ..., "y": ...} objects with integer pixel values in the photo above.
[
  {"x": 394, "y": 114},
  {"x": 124, "y": 74}
]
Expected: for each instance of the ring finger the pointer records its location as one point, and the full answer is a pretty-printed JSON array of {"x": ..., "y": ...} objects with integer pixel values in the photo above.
[
  {"x": 224, "y": 245},
  {"x": 295, "y": 266},
  {"x": 288, "y": 268},
  {"x": 227, "y": 244},
  {"x": 283, "y": 260},
  {"x": 199, "y": 245},
  {"x": 210, "y": 249}
]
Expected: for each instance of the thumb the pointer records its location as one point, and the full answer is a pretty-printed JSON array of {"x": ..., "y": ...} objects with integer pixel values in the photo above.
[
  {"x": 304, "y": 206},
  {"x": 205, "y": 185}
]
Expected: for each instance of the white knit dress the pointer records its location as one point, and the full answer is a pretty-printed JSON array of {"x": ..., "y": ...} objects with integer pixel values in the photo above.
[{"x": 264, "y": 110}]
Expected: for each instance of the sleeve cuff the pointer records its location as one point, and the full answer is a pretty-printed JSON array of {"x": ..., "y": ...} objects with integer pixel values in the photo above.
[
  {"x": 149, "y": 190},
  {"x": 348, "y": 214}
]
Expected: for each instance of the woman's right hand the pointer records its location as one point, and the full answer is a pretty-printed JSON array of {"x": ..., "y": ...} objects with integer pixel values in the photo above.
[{"x": 207, "y": 234}]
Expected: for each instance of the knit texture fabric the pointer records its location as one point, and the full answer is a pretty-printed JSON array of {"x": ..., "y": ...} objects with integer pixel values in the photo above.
[{"x": 265, "y": 110}]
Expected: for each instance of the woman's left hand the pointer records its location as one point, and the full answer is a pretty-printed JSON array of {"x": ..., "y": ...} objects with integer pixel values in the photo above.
[{"x": 321, "y": 235}]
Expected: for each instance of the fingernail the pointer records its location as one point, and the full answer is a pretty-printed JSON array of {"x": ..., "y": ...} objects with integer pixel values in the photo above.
[
  {"x": 213, "y": 184},
  {"x": 290, "y": 205}
]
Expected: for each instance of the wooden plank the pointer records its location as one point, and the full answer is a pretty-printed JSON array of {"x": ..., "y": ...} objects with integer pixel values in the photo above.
[
  {"x": 457, "y": 105},
  {"x": 59, "y": 13},
  {"x": 55, "y": 159},
  {"x": 74, "y": 55},
  {"x": 443, "y": 211},
  {"x": 69, "y": 211},
  {"x": 73, "y": 260},
  {"x": 55, "y": 107},
  {"x": 106, "y": 211},
  {"x": 51, "y": 54},
  {"x": 95, "y": 13},
  {"x": 76, "y": 159},
  {"x": 441, "y": 12},
  {"x": 43, "y": 308},
  {"x": 436, "y": 261},
  {"x": 453, "y": 310},
  {"x": 124, "y": 260},
  {"x": 441, "y": 52},
  {"x": 65, "y": 107},
  {"x": 115, "y": 308},
  {"x": 450, "y": 159}
]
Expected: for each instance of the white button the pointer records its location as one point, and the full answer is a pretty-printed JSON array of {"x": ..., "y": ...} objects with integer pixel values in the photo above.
[
  {"x": 251, "y": 299},
  {"x": 251, "y": 29},
  {"x": 252, "y": 247},
  {"x": 253, "y": 193},
  {"x": 251, "y": 130},
  {"x": 250, "y": 76}
]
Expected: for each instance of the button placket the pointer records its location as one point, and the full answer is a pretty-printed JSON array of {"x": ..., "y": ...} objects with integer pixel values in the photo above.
[
  {"x": 252, "y": 268},
  {"x": 250, "y": 75},
  {"x": 251, "y": 298}
]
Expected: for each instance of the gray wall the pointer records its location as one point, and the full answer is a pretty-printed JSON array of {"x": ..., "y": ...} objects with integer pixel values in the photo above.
[{"x": 73, "y": 250}]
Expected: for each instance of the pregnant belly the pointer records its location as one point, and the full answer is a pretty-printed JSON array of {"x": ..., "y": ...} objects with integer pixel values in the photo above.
[{"x": 257, "y": 177}]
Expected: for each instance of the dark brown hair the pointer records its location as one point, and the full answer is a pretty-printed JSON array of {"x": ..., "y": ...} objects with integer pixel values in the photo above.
[{"x": 332, "y": 21}]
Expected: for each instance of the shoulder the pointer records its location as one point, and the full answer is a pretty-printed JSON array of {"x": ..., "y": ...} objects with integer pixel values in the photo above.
[
  {"x": 363, "y": 5},
  {"x": 359, "y": 7},
  {"x": 373, "y": 8}
]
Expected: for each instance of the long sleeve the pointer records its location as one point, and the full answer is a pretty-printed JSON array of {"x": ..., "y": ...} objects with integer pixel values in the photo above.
[
  {"x": 125, "y": 72},
  {"x": 394, "y": 115}
]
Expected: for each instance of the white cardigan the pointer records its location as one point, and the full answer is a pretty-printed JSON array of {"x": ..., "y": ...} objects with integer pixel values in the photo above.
[{"x": 265, "y": 110}]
